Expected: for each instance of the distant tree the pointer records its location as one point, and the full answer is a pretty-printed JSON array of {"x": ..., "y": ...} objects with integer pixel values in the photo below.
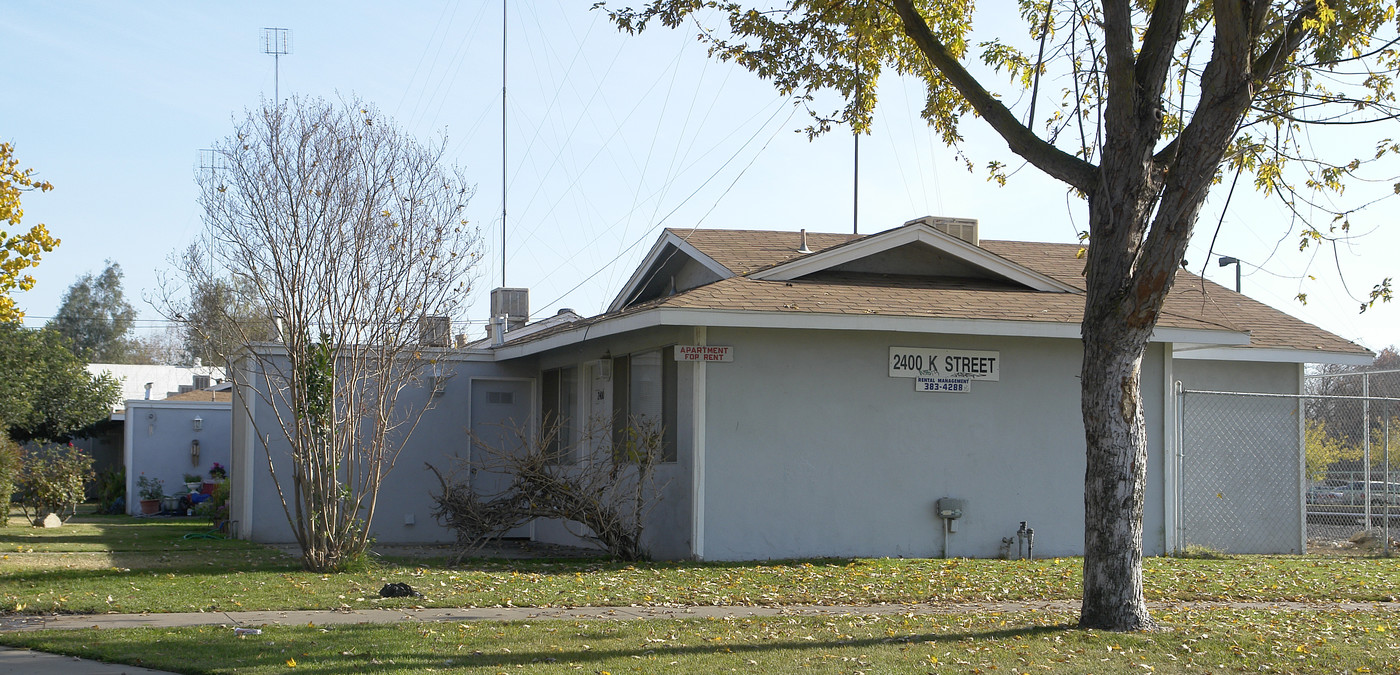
[
  {"x": 19, "y": 250},
  {"x": 351, "y": 233},
  {"x": 1323, "y": 450},
  {"x": 217, "y": 315},
  {"x": 96, "y": 317},
  {"x": 46, "y": 392},
  {"x": 1343, "y": 417},
  {"x": 159, "y": 348}
]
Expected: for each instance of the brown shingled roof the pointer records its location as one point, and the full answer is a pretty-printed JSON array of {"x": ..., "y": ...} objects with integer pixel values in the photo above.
[
  {"x": 201, "y": 395},
  {"x": 1194, "y": 303}
]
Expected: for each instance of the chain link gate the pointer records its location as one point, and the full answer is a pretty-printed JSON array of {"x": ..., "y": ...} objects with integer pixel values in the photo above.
[{"x": 1283, "y": 473}]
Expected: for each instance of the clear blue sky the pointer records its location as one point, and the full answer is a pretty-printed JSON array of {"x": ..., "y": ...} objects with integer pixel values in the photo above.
[{"x": 611, "y": 137}]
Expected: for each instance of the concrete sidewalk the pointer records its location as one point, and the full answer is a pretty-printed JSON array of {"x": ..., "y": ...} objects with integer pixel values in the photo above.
[
  {"x": 38, "y": 663},
  {"x": 365, "y": 616}
]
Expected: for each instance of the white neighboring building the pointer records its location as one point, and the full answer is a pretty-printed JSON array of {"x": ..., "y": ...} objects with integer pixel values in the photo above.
[{"x": 154, "y": 383}]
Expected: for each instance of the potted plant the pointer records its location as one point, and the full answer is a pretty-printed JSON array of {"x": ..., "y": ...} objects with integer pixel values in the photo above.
[
  {"x": 193, "y": 481},
  {"x": 217, "y": 473},
  {"x": 152, "y": 491}
]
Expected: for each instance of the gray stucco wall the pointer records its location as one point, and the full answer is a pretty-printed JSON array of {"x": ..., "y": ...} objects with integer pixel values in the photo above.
[
  {"x": 1241, "y": 483},
  {"x": 403, "y": 513},
  {"x": 813, "y": 450},
  {"x": 158, "y": 435}
]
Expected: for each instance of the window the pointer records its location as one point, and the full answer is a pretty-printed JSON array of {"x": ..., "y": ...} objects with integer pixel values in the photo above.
[
  {"x": 644, "y": 401},
  {"x": 560, "y": 394}
]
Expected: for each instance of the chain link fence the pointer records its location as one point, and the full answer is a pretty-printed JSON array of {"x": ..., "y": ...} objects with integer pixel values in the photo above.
[{"x": 1271, "y": 473}]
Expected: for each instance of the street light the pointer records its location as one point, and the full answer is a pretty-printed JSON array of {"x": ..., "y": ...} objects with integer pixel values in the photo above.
[{"x": 1230, "y": 260}]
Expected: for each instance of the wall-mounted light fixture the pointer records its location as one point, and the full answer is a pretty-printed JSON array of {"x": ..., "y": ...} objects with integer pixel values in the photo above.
[
  {"x": 194, "y": 452},
  {"x": 198, "y": 423}
]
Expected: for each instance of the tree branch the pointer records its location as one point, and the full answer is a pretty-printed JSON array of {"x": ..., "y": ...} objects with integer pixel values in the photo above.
[{"x": 1022, "y": 141}]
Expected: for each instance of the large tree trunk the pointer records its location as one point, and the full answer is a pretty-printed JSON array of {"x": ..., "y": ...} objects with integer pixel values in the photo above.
[
  {"x": 1114, "y": 480},
  {"x": 1119, "y": 316}
]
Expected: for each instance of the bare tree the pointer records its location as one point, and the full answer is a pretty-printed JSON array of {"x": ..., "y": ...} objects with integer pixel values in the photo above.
[{"x": 350, "y": 234}]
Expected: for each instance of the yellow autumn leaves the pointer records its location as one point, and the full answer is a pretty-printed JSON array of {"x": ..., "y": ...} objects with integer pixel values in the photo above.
[{"x": 19, "y": 250}]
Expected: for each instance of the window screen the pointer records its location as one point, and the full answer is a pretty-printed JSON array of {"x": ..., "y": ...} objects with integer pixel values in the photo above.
[
  {"x": 644, "y": 399},
  {"x": 559, "y": 413}
]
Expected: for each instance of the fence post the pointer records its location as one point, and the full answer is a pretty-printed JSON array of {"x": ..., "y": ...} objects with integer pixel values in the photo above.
[
  {"x": 1179, "y": 482},
  {"x": 1300, "y": 412},
  {"x": 1366, "y": 446}
]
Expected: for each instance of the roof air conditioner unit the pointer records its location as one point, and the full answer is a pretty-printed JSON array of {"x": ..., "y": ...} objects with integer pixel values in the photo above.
[
  {"x": 962, "y": 228},
  {"x": 514, "y": 303}
]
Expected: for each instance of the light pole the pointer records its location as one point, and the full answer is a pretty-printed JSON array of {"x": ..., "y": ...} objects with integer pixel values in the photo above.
[{"x": 1230, "y": 260}]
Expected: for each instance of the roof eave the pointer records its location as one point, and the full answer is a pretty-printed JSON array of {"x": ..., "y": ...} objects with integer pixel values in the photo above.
[
  {"x": 672, "y": 316},
  {"x": 639, "y": 276},
  {"x": 1273, "y": 355}
]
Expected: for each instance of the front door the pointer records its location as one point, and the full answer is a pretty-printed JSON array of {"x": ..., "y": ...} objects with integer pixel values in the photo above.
[{"x": 500, "y": 414}]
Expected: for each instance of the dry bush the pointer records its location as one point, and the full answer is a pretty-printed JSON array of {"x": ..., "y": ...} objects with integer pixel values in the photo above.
[{"x": 607, "y": 498}]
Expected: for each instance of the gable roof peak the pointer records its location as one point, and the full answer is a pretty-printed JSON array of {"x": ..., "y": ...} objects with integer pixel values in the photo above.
[{"x": 954, "y": 241}]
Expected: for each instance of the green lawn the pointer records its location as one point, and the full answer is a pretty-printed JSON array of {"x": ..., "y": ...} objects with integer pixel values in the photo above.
[
  {"x": 118, "y": 564},
  {"x": 1190, "y": 642}
]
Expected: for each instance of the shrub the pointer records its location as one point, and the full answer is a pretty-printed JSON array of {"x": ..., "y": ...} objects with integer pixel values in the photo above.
[
  {"x": 215, "y": 508},
  {"x": 11, "y": 459},
  {"x": 111, "y": 490},
  {"x": 150, "y": 488},
  {"x": 53, "y": 480}
]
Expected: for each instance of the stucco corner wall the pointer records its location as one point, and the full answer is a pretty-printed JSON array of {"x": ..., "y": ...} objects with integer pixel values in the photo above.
[
  {"x": 814, "y": 450},
  {"x": 159, "y": 435}
]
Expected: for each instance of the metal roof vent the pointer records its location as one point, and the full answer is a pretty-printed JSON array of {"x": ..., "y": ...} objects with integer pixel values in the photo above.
[
  {"x": 804, "y": 248},
  {"x": 962, "y": 228}
]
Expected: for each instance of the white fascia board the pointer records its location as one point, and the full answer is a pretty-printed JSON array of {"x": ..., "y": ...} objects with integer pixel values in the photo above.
[
  {"x": 654, "y": 256},
  {"x": 1270, "y": 355},
  {"x": 916, "y": 232},
  {"x": 167, "y": 403},
  {"x": 259, "y": 350},
  {"x": 873, "y": 322}
]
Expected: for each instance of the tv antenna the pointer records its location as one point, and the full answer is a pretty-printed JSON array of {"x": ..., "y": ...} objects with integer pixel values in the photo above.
[
  {"x": 276, "y": 41},
  {"x": 211, "y": 161}
]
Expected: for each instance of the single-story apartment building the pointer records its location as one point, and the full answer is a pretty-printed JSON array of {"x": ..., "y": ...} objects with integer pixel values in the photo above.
[
  {"x": 165, "y": 439},
  {"x": 820, "y": 393}
]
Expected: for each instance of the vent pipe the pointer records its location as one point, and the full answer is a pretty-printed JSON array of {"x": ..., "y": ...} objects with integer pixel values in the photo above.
[
  {"x": 804, "y": 248},
  {"x": 498, "y": 334}
]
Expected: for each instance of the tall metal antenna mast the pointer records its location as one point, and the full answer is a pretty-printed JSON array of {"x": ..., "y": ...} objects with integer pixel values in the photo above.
[
  {"x": 855, "y": 171},
  {"x": 503, "y": 143},
  {"x": 277, "y": 41}
]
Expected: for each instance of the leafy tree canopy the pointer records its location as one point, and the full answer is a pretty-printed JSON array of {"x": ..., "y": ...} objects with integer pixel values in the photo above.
[
  {"x": 45, "y": 391},
  {"x": 96, "y": 317},
  {"x": 19, "y": 249}
]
